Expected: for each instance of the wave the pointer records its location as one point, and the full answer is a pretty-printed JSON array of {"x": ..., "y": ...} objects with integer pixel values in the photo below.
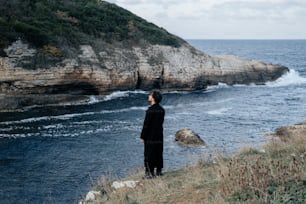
[
  {"x": 94, "y": 100},
  {"x": 291, "y": 78},
  {"x": 120, "y": 94},
  {"x": 176, "y": 92},
  {"x": 20, "y": 135},
  {"x": 112, "y": 96},
  {"x": 215, "y": 87},
  {"x": 220, "y": 111},
  {"x": 72, "y": 115},
  {"x": 134, "y": 108},
  {"x": 44, "y": 118}
]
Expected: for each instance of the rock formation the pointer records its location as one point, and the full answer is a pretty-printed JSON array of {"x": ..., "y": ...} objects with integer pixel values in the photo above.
[
  {"x": 95, "y": 72},
  {"x": 289, "y": 133},
  {"x": 188, "y": 137}
]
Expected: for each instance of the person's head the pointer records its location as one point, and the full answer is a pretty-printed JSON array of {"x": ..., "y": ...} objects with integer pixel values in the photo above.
[{"x": 155, "y": 97}]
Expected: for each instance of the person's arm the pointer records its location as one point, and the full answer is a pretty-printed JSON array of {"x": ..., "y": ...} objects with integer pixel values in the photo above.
[{"x": 145, "y": 127}]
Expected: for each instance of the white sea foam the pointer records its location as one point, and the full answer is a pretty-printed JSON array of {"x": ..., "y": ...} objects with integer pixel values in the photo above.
[
  {"x": 6, "y": 129},
  {"x": 21, "y": 135},
  {"x": 86, "y": 122},
  {"x": 219, "y": 86},
  {"x": 124, "y": 109},
  {"x": 55, "y": 126},
  {"x": 93, "y": 100},
  {"x": 244, "y": 85},
  {"x": 117, "y": 94},
  {"x": 120, "y": 94},
  {"x": 45, "y": 118},
  {"x": 291, "y": 78},
  {"x": 72, "y": 115},
  {"x": 220, "y": 111},
  {"x": 177, "y": 92},
  {"x": 28, "y": 120}
]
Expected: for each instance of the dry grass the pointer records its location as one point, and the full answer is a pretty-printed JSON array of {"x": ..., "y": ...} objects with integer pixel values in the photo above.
[{"x": 274, "y": 176}]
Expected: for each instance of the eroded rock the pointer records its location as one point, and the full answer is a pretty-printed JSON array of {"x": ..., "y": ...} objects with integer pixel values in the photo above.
[
  {"x": 94, "y": 71},
  {"x": 188, "y": 137}
]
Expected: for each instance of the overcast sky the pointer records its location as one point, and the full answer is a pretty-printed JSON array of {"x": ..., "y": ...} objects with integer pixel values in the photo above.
[{"x": 224, "y": 19}]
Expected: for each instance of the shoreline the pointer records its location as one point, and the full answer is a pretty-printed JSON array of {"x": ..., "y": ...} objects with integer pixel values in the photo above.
[{"x": 249, "y": 175}]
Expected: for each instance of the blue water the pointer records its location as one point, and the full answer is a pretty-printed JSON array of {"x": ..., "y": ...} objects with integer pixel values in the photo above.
[{"x": 56, "y": 154}]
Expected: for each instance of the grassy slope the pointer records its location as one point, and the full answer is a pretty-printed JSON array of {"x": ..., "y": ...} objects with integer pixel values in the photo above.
[
  {"x": 72, "y": 22},
  {"x": 277, "y": 175}
]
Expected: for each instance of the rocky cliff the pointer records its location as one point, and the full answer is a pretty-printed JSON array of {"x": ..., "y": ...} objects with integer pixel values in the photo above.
[
  {"x": 156, "y": 66},
  {"x": 57, "y": 71},
  {"x": 98, "y": 72}
]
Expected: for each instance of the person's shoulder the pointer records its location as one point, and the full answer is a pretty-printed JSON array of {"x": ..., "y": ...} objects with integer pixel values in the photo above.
[
  {"x": 150, "y": 108},
  {"x": 159, "y": 107},
  {"x": 156, "y": 107}
]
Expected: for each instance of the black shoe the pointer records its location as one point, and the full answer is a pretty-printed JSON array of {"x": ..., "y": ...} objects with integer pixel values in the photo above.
[
  {"x": 149, "y": 175},
  {"x": 159, "y": 174}
]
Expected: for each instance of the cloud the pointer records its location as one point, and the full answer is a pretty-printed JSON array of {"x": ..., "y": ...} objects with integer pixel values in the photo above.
[
  {"x": 196, "y": 18},
  {"x": 194, "y": 9}
]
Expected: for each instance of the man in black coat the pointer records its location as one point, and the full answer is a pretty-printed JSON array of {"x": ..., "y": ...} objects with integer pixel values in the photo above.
[{"x": 152, "y": 136}]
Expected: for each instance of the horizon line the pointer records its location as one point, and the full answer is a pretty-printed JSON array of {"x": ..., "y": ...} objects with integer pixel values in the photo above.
[{"x": 244, "y": 38}]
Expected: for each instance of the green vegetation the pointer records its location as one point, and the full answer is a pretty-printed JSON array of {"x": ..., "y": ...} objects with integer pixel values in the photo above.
[
  {"x": 277, "y": 175},
  {"x": 71, "y": 22}
]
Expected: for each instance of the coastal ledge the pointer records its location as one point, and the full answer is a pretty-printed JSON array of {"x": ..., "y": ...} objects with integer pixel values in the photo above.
[
  {"x": 275, "y": 174},
  {"x": 93, "y": 71}
]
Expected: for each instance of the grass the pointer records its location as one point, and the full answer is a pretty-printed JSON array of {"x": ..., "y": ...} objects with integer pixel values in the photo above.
[{"x": 276, "y": 175}]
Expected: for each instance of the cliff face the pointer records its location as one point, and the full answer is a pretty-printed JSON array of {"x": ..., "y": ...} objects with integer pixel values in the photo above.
[
  {"x": 156, "y": 66},
  {"x": 61, "y": 51},
  {"x": 94, "y": 72},
  {"x": 186, "y": 68}
]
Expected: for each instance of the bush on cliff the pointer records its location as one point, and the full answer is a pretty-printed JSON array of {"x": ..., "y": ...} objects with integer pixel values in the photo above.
[{"x": 55, "y": 22}]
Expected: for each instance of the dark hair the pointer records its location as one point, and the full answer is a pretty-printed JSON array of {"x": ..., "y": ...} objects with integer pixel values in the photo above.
[{"x": 157, "y": 96}]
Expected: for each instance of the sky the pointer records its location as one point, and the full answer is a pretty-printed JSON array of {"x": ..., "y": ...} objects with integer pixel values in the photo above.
[{"x": 224, "y": 19}]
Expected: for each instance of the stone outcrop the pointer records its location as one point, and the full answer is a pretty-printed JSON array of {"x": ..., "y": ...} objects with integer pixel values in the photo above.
[
  {"x": 293, "y": 132},
  {"x": 93, "y": 71},
  {"x": 188, "y": 137},
  {"x": 123, "y": 184}
]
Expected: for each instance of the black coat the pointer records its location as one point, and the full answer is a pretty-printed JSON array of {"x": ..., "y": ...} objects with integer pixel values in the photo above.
[{"x": 152, "y": 134}]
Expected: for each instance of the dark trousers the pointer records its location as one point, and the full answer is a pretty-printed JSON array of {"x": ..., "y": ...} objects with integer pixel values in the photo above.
[{"x": 153, "y": 158}]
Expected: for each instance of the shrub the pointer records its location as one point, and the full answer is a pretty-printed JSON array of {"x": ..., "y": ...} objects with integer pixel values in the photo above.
[
  {"x": 31, "y": 33},
  {"x": 48, "y": 22},
  {"x": 268, "y": 177},
  {"x": 52, "y": 50}
]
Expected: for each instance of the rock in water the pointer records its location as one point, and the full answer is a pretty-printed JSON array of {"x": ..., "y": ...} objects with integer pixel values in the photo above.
[{"x": 188, "y": 137}]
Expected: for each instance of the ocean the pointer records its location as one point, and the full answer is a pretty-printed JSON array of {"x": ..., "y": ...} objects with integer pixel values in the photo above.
[{"x": 55, "y": 154}]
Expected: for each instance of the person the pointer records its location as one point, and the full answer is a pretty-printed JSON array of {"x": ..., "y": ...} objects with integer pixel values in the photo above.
[{"x": 152, "y": 136}]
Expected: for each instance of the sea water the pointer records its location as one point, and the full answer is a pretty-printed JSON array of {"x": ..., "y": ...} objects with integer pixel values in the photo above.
[{"x": 55, "y": 154}]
